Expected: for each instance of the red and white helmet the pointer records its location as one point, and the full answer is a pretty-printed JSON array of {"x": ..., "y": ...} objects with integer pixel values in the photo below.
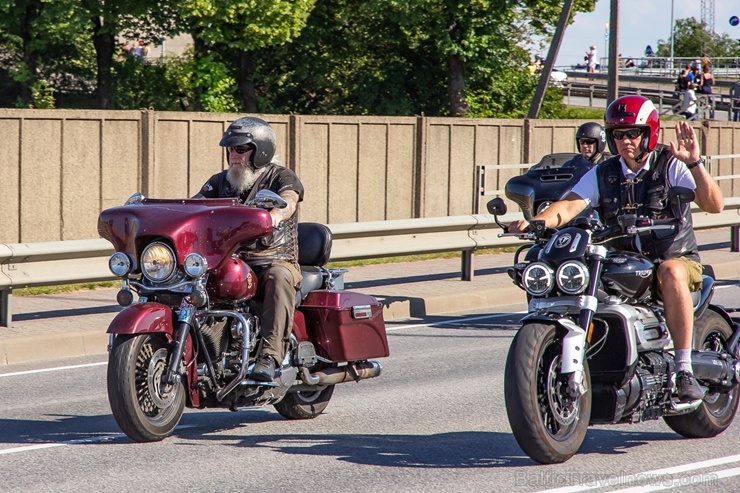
[{"x": 629, "y": 112}]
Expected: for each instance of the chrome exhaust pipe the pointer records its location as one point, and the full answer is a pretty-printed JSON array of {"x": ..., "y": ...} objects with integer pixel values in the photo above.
[{"x": 351, "y": 372}]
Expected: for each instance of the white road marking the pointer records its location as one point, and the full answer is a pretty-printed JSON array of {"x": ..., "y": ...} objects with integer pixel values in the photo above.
[
  {"x": 80, "y": 441},
  {"x": 40, "y": 446},
  {"x": 662, "y": 476},
  {"x": 59, "y": 368}
]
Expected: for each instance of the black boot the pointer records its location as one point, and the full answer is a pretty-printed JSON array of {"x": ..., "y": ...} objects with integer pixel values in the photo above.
[{"x": 264, "y": 369}]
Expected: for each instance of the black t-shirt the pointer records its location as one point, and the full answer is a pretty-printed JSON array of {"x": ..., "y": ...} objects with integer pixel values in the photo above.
[{"x": 276, "y": 178}]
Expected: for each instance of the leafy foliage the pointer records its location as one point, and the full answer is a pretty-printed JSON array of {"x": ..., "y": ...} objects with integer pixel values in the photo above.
[
  {"x": 692, "y": 37},
  {"x": 389, "y": 57}
]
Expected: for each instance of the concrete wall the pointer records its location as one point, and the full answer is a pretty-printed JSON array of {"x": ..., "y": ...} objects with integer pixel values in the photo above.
[{"x": 60, "y": 168}]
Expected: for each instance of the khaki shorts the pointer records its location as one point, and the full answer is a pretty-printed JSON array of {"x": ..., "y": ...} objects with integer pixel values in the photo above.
[{"x": 694, "y": 270}]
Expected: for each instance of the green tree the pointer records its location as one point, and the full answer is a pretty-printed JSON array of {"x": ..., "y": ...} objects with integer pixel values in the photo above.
[
  {"x": 235, "y": 29},
  {"x": 350, "y": 59},
  {"x": 408, "y": 56},
  {"x": 108, "y": 20},
  {"x": 44, "y": 45},
  {"x": 692, "y": 38}
]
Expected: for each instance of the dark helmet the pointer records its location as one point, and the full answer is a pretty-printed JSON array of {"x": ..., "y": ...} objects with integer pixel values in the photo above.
[
  {"x": 254, "y": 132},
  {"x": 633, "y": 111},
  {"x": 593, "y": 131}
]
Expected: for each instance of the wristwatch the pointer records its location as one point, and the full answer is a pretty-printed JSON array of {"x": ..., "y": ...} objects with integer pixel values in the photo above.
[{"x": 696, "y": 163}]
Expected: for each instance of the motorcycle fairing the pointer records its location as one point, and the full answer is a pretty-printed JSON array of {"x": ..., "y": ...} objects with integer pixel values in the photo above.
[{"x": 211, "y": 227}]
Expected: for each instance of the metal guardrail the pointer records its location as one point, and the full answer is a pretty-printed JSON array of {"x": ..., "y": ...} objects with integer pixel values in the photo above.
[{"x": 79, "y": 261}]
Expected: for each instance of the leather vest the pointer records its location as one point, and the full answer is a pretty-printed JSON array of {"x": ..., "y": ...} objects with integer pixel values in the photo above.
[
  {"x": 282, "y": 244},
  {"x": 646, "y": 195}
]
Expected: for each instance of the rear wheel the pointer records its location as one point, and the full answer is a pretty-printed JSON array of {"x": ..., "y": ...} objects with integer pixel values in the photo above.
[
  {"x": 305, "y": 404},
  {"x": 144, "y": 405},
  {"x": 715, "y": 414},
  {"x": 548, "y": 423}
]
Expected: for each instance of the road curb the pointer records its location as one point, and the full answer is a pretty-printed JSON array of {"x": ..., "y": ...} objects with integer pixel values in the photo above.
[{"x": 24, "y": 349}]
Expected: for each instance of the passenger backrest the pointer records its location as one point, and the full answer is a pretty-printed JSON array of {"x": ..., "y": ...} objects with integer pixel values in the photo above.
[{"x": 314, "y": 244}]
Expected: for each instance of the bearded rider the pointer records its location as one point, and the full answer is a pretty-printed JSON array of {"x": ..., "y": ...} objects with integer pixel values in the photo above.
[
  {"x": 649, "y": 169},
  {"x": 250, "y": 146}
]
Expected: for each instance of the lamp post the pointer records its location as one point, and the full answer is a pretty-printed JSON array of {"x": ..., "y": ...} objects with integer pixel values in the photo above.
[
  {"x": 672, "y": 30},
  {"x": 606, "y": 39}
]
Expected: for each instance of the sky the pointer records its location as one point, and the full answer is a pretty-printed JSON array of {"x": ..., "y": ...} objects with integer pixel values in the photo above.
[{"x": 641, "y": 23}]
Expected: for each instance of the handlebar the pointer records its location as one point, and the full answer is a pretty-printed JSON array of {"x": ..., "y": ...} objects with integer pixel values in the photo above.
[{"x": 632, "y": 225}]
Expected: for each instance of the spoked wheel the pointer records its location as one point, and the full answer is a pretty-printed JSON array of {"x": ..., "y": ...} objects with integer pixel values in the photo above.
[
  {"x": 548, "y": 423},
  {"x": 304, "y": 404},
  {"x": 715, "y": 415},
  {"x": 144, "y": 405}
]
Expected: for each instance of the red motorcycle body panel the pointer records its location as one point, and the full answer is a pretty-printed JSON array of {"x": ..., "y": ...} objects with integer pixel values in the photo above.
[
  {"x": 335, "y": 332},
  {"x": 143, "y": 318},
  {"x": 212, "y": 227},
  {"x": 234, "y": 280}
]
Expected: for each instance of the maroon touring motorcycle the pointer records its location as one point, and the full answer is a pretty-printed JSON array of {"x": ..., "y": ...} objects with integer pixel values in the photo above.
[{"x": 191, "y": 337}]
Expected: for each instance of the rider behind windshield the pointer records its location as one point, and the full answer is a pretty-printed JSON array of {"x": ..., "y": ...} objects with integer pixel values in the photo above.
[
  {"x": 632, "y": 131},
  {"x": 591, "y": 142},
  {"x": 250, "y": 147}
]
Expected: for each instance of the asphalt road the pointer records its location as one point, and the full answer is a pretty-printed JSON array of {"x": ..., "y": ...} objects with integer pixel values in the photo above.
[{"x": 433, "y": 422}]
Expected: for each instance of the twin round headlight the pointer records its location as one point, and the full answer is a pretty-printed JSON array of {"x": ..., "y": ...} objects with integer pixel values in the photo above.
[
  {"x": 158, "y": 263},
  {"x": 572, "y": 277}
]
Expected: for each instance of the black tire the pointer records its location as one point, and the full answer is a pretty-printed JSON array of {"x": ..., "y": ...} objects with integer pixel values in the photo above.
[
  {"x": 146, "y": 409},
  {"x": 304, "y": 404},
  {"x": 715, "y": 415},
  {"x": 548, "y": 425}
]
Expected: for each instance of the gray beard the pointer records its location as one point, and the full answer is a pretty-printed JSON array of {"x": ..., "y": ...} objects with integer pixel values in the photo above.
[{"x": 243, "y": 178}]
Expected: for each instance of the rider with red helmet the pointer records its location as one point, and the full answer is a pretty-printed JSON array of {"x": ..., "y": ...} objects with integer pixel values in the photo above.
[{"x": 636, "y": 181}]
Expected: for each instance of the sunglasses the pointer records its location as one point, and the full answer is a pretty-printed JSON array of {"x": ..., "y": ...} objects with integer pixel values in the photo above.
[
  {"x": 587, "y": 141},
  {"x": 632, "y": 133},
  {"x": 240, "y": 149}
]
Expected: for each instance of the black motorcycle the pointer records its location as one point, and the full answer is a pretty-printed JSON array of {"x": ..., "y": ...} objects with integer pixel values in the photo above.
[{"x": 594, "y": 347}]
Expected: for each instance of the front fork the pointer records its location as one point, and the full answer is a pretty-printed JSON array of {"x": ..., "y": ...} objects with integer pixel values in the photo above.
[
  {"x": 184, "y": 324},
  {"x": 579, "y": 335}
]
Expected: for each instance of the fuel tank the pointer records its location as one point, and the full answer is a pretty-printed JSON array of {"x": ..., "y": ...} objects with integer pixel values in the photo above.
[
  {"x": 234, "y": 280},
  {"x": 630, "y": 275}
]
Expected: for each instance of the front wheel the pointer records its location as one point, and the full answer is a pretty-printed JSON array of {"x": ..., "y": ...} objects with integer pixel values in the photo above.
[
  {"x": 304, "y": 404},
  {"x": 548, "y": 423},
  {"x": 715, "y": 414},
  {"x": 144, "y": 405}
]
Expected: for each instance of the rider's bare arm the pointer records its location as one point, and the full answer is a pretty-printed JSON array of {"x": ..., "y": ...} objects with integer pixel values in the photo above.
[
  {"x": 556, "y": 215},
  {"x": 278, "y": 215},
  {"x": 708, "y": 194}
]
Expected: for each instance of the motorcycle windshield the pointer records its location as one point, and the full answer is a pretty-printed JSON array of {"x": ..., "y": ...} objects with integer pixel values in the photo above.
[
  {"x": 566, "y": 244},
  {"x": 212, "y": 227}
]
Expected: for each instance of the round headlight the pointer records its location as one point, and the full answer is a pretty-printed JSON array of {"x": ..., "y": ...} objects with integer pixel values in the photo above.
[
  {"x": 157, "y": 262},
  {"x": 119, "y": 264},
  {"x": 195, "y": 265},
  {"x": 538, "y": 279},
  {"x": 572, "y": 277}
]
